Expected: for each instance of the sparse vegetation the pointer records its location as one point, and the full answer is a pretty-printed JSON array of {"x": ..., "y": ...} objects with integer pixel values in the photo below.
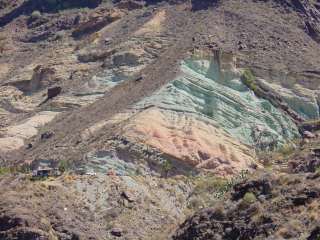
[
  {"x": 4, "y": 170},
  {"x": 166, "y": 167},
  {"x": 281, "y": 153},
  {"x": 286, "y": 149},
  {"x": 249, "y": 79},
  {"x": 195, "y": 203},
  {"x": 64, "y": 166},
  {"x": 198, "y": 124},
  {"x": 24, "y": 168},
  {"x": 217, "y": 186},
  {"x": 35, "y": 14},
  {"x": 249, "y": 198},
  {"x": 2, "y": 43},
  {"x": 209, "y": 184}
]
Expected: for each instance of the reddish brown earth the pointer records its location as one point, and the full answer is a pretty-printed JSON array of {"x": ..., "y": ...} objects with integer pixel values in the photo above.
[{"x": 56, "y": 106}]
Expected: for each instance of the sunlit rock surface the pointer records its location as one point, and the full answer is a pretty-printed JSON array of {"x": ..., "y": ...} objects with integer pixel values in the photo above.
[
  {"x": 109, "y": 162},
  {"x": 210, "y": 88},
  {"x": 191, "y": 139},
  {"x": 208, "y": 118},
  {"x": 301, "y": 99},
  {"x": 13, "y": 137}
]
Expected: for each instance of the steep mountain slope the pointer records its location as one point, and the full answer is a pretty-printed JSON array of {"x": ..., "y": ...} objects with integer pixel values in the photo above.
[
  {"x": 270, "y": 205},
  {"x": 150, "y": 100}
]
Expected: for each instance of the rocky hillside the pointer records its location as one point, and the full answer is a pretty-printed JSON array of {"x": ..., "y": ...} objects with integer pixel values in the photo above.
[
  {"x": 271, "y": 204},
  {"x": 149, "y": 111}
]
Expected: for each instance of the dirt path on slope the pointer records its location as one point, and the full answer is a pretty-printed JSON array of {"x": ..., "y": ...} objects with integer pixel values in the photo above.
[{"x": 67, "y": 127}]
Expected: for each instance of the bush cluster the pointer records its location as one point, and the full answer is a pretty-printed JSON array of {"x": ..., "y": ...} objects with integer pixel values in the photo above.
[{"x": 249, "y": 79}]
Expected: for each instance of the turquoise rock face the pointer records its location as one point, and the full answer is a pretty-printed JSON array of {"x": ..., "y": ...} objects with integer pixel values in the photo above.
[
  {"x": 298, "y": 97},
  {"x": 218, "y": 96},
  {"x": 303, "y": 106}
]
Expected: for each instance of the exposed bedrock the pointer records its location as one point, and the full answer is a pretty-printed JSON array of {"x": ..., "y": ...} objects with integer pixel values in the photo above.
[
  {"x": 210, "y": 88},
  {"x": 42, "y": 77},
  {"x": 14, "y": 137},
  {"x": 299, "y": 90},
  {"x": 206, "y": 117},
  {"x": 96, "y": 23},
  {"x": 310, "y": 12},
  {"x": 190, "y": 139}
]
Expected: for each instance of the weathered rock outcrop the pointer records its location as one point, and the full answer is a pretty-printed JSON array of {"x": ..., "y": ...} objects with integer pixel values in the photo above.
[
  {"x": 190, "y": 140},
  {"x": 312, "y": 16},
  {"x": 269, "y": 207},
  {"x": 96, "y": 23},
  {"x": 144, "y": 117},
  {"x": 210, "y": 88},
  {"x": 13, "y": 137}
]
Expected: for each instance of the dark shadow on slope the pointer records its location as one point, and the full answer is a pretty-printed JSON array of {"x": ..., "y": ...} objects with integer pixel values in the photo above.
[
  {"x": 46, "y": 6},
  {"x": 196, "y": 4},
  {"x": 310, "y": 13},
  {"x": 203, "y": 4}
]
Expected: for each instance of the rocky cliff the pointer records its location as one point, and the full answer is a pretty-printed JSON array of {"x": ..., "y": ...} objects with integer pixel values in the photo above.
[{"x": 153, "y": 110}]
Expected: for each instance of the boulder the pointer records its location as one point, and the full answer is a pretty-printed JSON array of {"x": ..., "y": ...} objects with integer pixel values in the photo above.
[
  {"x": 128, "y": 195},
  {"x": 307, "y": 134},
  {"x": 117, "y": 232},
  {"x": 53, "y": 92},
  {"x": 46, "y": 135},
  {"x": 96, "y": 23},
  {"x": 126, "y": 59},
  {"x": 41, "y": 77}
]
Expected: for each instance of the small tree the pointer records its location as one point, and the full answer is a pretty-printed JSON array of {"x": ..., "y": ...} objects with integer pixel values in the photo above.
[
  {"x": 249, "y": 79},
  {"x": 63, "y": 166},
  {"x": 4, "y": 170},
  {"x": 249, "y": 198},
  {"x": 25, "y": 168},
  {"x": 35, "y": 14},
  {"x": 2, "y": 43},
  {"x": 166, "y": 167}
]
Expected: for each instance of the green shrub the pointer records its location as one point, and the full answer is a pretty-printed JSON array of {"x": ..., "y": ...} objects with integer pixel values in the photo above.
[
  {"x": 217, "y": 186},
  {"x": 195, "y": 203},
  {"x": 35, "y": 14},
  {"x": 249, "y": 198},
  {"x": 209, "y": 184},
  {"x": 64, "y": 166},
  {"x": 286, "y": 149},
  {"x": 4, "y": 170},
  {"x": 166, "y": 167},
  {"x": 2, "y": 43},
  {"x": 25, "y": 168},
  {"x": 249, "y": 79}
]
